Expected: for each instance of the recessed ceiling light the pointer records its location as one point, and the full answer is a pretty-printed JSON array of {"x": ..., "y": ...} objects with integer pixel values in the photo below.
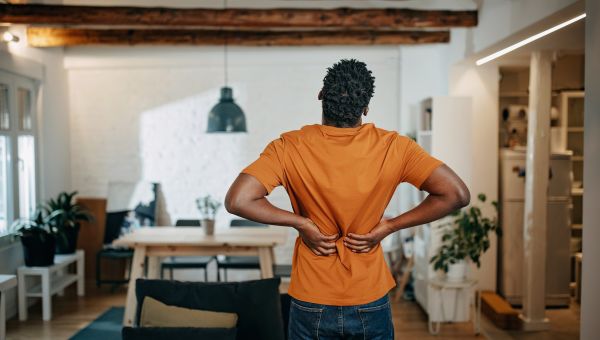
[{"x": 528, "y": 40}]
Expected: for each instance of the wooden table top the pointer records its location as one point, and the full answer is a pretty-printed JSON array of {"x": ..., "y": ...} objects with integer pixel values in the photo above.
[{"x": 194, "y": 236}]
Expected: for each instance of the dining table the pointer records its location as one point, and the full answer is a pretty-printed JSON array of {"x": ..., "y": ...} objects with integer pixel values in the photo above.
[{"x": 157, "y": 242}]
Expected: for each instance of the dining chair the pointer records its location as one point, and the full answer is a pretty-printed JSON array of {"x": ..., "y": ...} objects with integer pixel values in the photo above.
[
  {"x": 186, "y": 262},
  {"x": 239, "y": 262},
  {"x": 248, "y": 262}
]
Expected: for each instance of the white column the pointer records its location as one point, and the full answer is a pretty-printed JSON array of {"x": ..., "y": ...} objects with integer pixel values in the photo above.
[
  {"x": 590, "y": 300},
  {"x": 536, "y": 187}
]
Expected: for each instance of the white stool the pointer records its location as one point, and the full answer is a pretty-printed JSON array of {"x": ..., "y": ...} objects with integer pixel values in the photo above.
[
  {"x": 6, "y": 282},
  {"x": 441, "y": 285},
  {"x": 54, "y": 280}
]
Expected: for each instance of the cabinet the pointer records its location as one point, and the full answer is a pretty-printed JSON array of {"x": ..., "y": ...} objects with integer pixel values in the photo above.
[
  {"x": 444, "y": 130},
  {"x": 512, "y": 202}
]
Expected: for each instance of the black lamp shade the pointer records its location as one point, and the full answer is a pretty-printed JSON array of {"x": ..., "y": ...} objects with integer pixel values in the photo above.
[{"x": 226, "y": 116}]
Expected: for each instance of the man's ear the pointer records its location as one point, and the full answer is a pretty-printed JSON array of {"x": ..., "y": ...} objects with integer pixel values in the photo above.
[
  {"x": 320, "y": 95},
  {"x": 366, "y": 111}
]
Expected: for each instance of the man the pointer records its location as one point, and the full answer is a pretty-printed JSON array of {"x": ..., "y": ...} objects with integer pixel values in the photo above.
[{"x": 340, "y": 176}]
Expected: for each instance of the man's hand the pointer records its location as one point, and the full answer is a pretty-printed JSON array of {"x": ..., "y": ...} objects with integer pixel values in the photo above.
[
  {"x": 318, "y": 243},
  {"x": 366, "y": 242}
]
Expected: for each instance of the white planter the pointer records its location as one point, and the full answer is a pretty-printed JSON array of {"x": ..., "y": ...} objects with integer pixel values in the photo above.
[{"x": 457, "y": 272}]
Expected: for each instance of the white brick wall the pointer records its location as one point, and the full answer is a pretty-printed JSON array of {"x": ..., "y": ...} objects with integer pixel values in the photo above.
[{"x": 142, "y": 114}]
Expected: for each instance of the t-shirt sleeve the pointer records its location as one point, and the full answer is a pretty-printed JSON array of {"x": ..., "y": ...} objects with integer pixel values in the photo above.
[
  {"x": 417, "y": 164},
  {"x": 268, "y": 168}
]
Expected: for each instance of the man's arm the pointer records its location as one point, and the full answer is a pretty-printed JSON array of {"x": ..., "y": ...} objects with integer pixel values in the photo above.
[
  {"x": 247, "y": 198},
  {"x": 447, "y": 192}
]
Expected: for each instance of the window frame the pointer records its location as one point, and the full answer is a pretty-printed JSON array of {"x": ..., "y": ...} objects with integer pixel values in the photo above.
[{"x": 14, "y": 82}]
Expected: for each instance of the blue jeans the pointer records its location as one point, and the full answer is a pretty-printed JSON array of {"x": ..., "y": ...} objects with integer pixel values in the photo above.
[{"x": 371, "y": 321}]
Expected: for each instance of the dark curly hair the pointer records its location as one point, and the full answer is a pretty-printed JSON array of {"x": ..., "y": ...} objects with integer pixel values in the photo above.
[{"x": 347, "y": 89}]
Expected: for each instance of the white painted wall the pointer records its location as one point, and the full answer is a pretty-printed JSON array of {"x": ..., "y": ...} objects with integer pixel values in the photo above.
[{"x": 590, "y": 300}]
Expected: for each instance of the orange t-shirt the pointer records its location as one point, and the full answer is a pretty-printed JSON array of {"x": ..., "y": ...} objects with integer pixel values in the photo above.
[{"x": 342, "y": 179}]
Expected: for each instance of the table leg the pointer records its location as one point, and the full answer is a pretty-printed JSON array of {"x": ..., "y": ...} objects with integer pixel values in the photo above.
[
  {"x": 137, "y": 271},
  {"x": 266, "y": 259},
  {"x": 46, "y": 297},
  {"x": 22, "y": 283},
  {"x": 154, "y": 267},
  {"x": 80, "y": 276},
  {"x": 478, "y": 315},
  {"x": 62, "y": 272}
]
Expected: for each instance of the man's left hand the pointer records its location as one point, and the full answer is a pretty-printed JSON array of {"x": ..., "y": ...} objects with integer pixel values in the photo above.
[{"x": 366, "y": 242}]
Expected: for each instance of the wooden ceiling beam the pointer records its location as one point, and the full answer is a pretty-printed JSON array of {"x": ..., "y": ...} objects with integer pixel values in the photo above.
[
  {"x": 55, "y": 37},
  {"x": 383, "y": 18}
]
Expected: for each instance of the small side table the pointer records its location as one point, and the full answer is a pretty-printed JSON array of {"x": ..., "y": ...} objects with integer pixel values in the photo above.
[
  {"x": 6, "y": 282},
  {"x": 54, "y": 279},
  {"x": 440, "y": 285}
]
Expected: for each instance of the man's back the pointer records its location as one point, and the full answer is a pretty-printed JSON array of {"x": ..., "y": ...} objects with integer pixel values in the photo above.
[{"x": 342, "y": 179}]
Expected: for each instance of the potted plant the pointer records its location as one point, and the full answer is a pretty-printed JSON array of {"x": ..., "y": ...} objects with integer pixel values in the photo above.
[
  {"x": 468, "y": 240},
  {"x": 66, "y": 221},
  {"x": 208, "y": 207},
  {"x": 37, "y": 238}
]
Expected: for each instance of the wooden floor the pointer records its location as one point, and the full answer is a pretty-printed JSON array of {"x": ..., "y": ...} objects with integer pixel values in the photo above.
[{"x": 71, "y": 313}]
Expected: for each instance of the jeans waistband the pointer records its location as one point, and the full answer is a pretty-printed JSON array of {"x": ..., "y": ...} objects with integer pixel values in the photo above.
[{"x": 384, "y": 299}]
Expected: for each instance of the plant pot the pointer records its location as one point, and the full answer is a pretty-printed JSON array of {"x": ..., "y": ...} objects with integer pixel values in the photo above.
[
  {"x": 67, "y": 241},
  {"x": 38, "y": 251},
  {"x": 457, "y": 272},
  {"x": 208, "y": 226}
]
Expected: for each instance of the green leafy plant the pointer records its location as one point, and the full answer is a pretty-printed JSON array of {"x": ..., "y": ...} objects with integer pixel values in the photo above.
[
  {"x": 66, "y": 215},
  {"x": 208, "y": 207},
  {"x": 467, "y": 236},
  {"x": 39, "y": 226}
]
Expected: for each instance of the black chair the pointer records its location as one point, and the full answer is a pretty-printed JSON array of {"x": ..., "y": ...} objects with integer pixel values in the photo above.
[
  {"x": 114, "y": 221},
  {"x": 196, "y": 262},
  {"x": 248, "y": 262},
  {"x": 239, "y": 262}
]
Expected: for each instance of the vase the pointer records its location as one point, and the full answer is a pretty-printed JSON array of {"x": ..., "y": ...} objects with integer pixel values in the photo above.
[
  {"x": 209, "y": 226},
  {"x": 457, "y": 272}
]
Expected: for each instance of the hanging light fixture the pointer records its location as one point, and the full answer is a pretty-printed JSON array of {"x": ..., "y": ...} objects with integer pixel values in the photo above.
[{"x": 226, "y": 116}]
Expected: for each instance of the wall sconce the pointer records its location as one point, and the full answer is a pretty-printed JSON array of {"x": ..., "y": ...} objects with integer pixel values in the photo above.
[{"x": 9, "y": 37}]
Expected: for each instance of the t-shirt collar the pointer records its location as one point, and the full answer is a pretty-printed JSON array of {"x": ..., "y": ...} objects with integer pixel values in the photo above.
[{"x": 339, "y": 131}]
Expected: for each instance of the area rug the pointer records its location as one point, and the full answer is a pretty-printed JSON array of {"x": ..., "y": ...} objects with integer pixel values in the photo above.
[{"x": 106, "y": 327}]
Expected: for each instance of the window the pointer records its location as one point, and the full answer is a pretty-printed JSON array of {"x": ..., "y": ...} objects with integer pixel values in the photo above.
[{"x": 18, "y": 155}]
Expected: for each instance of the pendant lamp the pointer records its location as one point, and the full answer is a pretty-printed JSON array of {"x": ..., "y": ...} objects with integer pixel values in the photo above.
[{"x": 226, "y": 116}]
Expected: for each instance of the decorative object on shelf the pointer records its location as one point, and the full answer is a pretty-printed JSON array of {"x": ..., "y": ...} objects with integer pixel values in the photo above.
[
  {"x": 469, "y": 239},
  {"x": 37, "y": 238},
  {"x": 208, "y": 207},
  {"x": 226, "y": 116},
  {"x": 65, "y": 222}
]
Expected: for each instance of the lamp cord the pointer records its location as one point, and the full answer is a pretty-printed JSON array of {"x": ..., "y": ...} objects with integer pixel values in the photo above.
[{"x": 225, "y": 61}]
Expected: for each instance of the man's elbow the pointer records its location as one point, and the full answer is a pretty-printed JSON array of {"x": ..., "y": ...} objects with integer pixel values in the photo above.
[
  {"x": 462, "y": 196},
  {"x": 231, "y": 204}
]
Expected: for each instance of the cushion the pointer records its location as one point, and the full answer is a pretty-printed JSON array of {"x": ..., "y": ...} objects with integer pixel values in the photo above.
[
  {"x": 157, "y": 314},
  {"x": 257, "y": 303},
  {"x": 154, "y": 333}
]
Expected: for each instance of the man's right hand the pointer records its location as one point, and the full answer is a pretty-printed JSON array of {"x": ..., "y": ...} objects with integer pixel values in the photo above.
[{"x": 318, "y": 243}]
